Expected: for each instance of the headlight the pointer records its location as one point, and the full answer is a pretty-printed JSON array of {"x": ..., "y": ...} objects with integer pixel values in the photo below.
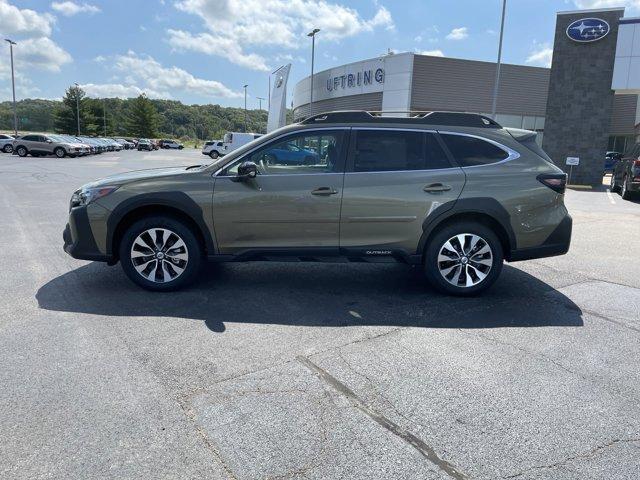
[{"x": 85, "y": 196}]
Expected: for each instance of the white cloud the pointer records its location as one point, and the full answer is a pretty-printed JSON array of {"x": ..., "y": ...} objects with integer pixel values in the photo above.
[
  {"x": 586, "y": 4},
  {"x": 100, "y": 58},
  {"x": 237, "y": 25},
  {"x": 16, "y": 21},
  {"x": 41, "y": 53},
  {"x": 69, "y": 9},
  {"x": 432, "y": 53},
  {"x": 118, "y": 90},
  {"x": 541, "y": 55},
  {"x": 458, "y": 34},
  {"x": 216, "y": 45},
  {"x": 145, "y": 74}
]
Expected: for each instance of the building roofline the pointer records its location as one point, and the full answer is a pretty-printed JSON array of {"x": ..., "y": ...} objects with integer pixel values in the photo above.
[{"x": 592, "y": 10}]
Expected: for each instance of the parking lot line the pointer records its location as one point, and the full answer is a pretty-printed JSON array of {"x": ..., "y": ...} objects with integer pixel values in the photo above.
[{"x": 611, "y": 199}]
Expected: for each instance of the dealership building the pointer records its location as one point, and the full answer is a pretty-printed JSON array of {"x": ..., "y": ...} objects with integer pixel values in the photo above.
[{"x": 585, "y": 104}]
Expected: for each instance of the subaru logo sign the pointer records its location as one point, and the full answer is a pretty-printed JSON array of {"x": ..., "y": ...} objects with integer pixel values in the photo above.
[{"x": 587, "y": 30}]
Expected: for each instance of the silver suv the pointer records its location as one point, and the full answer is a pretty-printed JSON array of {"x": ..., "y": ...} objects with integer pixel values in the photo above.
[
  {"x": 452, "y": 192},
  {"x": 38, "y": 145}
]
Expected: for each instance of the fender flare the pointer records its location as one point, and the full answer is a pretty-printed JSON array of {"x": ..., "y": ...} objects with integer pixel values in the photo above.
[
  {"x": 480, "y": 205},
  {"x": 174, "y": 199}
]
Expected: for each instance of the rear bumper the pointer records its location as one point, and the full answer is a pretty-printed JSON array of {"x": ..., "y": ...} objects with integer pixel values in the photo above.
[
  {"x": 78, "y": 238},
  {"x": 556, "y": 244}
]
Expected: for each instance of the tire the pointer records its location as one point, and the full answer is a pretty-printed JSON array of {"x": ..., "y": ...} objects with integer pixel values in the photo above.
[
  {"x": 180, "y": 147},
  {"x": 213, "y": 154},
  {"x": 59, "y": 152},
  {"x": 612, "y": 183},
  {"x": 450, "y": 276},
  {"x": 7, "y": 149},
  {"x": 22, "y": 151},
  {"x": 624, "y": 191},
  {"x": 187, "y": 254}
]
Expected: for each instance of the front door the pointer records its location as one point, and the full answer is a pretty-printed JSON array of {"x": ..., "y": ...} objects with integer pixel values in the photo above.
[
  {"x": 394, "y": 180},
  {"x": 294, "y": 201}
]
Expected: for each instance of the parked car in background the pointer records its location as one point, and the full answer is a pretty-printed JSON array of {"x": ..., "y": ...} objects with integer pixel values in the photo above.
[
  {"x": 126, "y": 144},
  {"x": 454, "y": 194},
  {"x": 626, "y": 173},
  {"x": 40, "y": 145},
  {"x": 96, "y": 146},
  {"x": 213, "y": 148},
  {"x": 291, "y": 154},
  {"x": 610, "y": 159},
  {"x": 170, "y": 144},
  {"x": 145, "y": 144},
  {"x": 6, "y": 143}
]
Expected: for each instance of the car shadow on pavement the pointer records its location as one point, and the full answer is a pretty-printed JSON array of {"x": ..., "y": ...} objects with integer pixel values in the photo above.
[{"x": 319, "y": 295}]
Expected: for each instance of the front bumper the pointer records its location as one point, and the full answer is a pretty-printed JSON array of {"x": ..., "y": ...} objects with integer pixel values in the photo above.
[
  {"x": 556, "y": 244},
  {"x": 78, "y": 238}
]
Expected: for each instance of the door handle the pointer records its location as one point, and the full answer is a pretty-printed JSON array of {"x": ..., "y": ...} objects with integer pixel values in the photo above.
[
  {"x": 437, "y": 187},
  {"x": 324, "y": 191}
]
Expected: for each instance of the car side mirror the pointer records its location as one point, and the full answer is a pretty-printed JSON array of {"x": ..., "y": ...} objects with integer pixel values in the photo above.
[
  {"x": 247, "y": 170},
  {"x": 49, "y": 140}
]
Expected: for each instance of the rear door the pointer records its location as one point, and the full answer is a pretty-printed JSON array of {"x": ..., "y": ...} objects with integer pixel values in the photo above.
[{"x": 395, "y": 179}]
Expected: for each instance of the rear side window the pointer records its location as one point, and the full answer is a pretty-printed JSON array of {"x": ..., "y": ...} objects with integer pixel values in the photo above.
[
  {"x": 388, "y": 150},
  {"x": 30, "y": 138},
  {"x": 472, "y": 151}
]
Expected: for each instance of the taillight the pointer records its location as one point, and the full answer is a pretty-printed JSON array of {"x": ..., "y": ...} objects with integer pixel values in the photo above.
[
  {"x": 555, "y": 181},
  {"x": 636, "y": 163}
]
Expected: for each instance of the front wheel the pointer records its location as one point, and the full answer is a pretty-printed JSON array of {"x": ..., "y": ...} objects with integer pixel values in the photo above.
[
  {"x": 213, "y": 154},
  {"x": 160, "y": 253},
  {"x": 463, "y": 259},
  {"x": 612, "y": 183},
  {"x": 59, "y": 152},
  {"x": 22, "y": 151}
]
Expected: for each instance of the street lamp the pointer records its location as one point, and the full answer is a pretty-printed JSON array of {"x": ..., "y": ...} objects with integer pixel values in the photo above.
[
  {"x": 78, "y": 106},
  {"x": 13, "y": 87},
  {"x": 260, "y": 102},
  {"x": 497, "y": 81},
  {"x": 104, "y": 115},
  {"x": 245, "y": 107},
  {"x": 312, "y": 34}
]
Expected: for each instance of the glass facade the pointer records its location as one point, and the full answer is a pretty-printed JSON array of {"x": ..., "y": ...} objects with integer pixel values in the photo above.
[{"x": 620, "y": 143}]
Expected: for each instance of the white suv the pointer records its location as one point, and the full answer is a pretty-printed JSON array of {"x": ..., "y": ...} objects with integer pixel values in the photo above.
[{"x": 214, "y": 148}]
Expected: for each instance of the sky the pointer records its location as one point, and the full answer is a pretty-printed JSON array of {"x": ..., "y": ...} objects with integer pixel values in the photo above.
[{"x": 204, "y": 51}]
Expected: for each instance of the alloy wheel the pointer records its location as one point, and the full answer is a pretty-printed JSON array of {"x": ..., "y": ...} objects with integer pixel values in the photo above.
[
  {"x": 159, "y": 255},
  {"x": 465, "y": 260}
]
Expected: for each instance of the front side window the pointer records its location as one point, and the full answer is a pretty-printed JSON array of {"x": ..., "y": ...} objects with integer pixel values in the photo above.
[
  {"x": 388, "y": 150},
  {"x": 301, "y": 153},
  {"x": 472, "y": 151}
]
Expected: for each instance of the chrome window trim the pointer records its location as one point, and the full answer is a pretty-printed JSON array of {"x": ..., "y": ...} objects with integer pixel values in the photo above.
[
  {"x": 511, "y": 154},
  {"x": 302, "y": 130}
]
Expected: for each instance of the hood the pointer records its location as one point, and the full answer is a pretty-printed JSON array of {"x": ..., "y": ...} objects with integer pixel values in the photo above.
[{"x": 122, "y": 178}]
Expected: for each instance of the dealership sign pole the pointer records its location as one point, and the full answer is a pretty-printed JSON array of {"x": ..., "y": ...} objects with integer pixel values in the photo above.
[
  {"x": 312, "y": 34},
  {"x": 13, "y": 87},
  {"x": 497, "y": 81}
]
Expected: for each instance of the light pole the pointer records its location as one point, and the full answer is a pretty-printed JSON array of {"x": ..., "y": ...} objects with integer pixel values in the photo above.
[
  {"x": 245, "y": 107},
  {"x": 78, "y": 106},
  {"x": 497, "y": 81},
  {"x": 312, "y": 34},
  {"x": 104, "y": 115},
  {"x": 13, "y": 87}
]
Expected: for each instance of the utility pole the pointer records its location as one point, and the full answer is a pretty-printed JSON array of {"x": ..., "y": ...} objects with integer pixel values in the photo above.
[
  {"x": 104, "y": 115},
  {"x": 78, "y": 106},
  {"x": 497, "y": 81},
  {"x": 245, "y": 108},
  {"x": 13, "y": 87},
  {"x": 312, "y": 34}
]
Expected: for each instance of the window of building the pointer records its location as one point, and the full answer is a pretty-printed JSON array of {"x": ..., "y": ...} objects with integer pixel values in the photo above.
[{"x": 472, "y": 151}]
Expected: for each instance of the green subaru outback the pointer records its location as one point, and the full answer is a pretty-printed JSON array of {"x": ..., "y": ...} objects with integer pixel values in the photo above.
[{"x": 454, "y": 193}]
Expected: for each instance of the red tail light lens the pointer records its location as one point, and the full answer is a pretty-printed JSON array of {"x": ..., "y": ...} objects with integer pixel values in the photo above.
[
  {"x": 555, "y": 181},
  {"x": 636, "y": 163}
]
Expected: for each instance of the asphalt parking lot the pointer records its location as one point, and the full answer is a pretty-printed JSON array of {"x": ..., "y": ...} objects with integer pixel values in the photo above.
[{"x": 291, "y": 370}]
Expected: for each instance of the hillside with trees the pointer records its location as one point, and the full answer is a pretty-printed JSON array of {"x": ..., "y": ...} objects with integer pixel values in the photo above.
[{"x": 133, "y": 117}]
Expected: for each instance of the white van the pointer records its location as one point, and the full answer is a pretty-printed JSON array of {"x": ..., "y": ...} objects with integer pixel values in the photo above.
[{"x": 233, "y": 140}]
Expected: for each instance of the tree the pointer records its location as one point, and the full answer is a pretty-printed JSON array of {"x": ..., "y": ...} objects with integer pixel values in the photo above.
[
  {"x": 143, "y": 118},
  {"x": 66, "y": 114}
]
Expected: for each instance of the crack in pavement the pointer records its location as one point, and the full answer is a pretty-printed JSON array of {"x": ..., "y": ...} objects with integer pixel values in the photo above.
[
  {"x": 582, "y": 455},
  {"x": 425, "y": 450}
]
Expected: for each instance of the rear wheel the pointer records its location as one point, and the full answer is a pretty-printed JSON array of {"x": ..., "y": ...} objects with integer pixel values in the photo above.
[
  {"x": 213, "y": 154},
  {"x": 624, "y": 191},
  {"x": 7, "y": 148},
  {"x": 612, "y": 183},
  {"x": 463, "y": 258},
  {"x": 160, "y": 253},
  {"x": 22, "y": 151}
]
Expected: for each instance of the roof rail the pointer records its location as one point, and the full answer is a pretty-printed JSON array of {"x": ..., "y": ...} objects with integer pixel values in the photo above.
[{"x": 460, "y": 119}]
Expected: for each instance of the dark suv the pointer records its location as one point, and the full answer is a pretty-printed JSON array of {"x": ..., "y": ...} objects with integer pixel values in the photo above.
[
  {"x": 455, "y": 193},
  {"x": 626, "y": 173}
]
